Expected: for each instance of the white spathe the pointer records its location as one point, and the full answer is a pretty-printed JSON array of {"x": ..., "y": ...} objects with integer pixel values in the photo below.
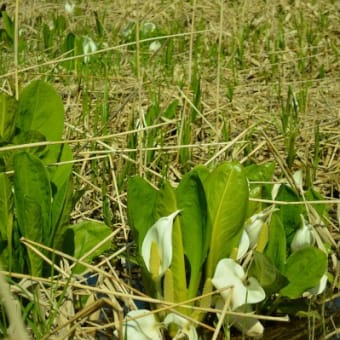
[
  {"x": 243, "y": 245},
  {"x": 228, "y": 273},
  {"x": 249, "y": 326},
  {"x": 155, "y": 46},
  {"x": 160, "y": 234},
  {"x": 89, "y": 46},
  {"x": 143, "y": 327},
  {"x": 69, "y": 7},
  {"x": 319, "y": 288},
  {"x": 186, "y": 328},
  {"x": 253, "y": 227},
  {"x": 303, "y": 237}
]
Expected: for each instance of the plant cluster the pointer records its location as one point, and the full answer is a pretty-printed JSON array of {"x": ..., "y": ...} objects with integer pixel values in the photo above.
[
  {"x": 36, "y": 192},
  {"x": 207, "y": 235}
]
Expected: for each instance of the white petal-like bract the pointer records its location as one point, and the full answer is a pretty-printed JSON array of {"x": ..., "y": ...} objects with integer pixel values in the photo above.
[{"x": 160, "y": 234}]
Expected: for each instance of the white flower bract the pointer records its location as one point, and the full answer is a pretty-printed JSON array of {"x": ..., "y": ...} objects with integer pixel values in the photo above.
[
  {"x": 155, "y": 46},
  {"x": 89, "y": 46},
  {"x": 69, "y": 7},
  {"x": 143, "y": 327},
  {"x": 160, "y": 234},
  {"x": 303, "y": 237},
  {"x": 228, "y": 273}
]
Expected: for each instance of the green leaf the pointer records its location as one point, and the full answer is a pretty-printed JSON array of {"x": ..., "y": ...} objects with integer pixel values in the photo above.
[
  {"x": 8, "y": 109},
  {"x": 170, "y": 111},
  {"x": 304, "y": 269},
  {"x": 32, "y": 191},
  {"x": 141, "y": 200},
  {"x": 31, "y": 224},
  {"x": 227, "y": 199},
  {"x": 41, "y": 109},
  {"x": 289, "y": 214},
  {"x": 56, "y": 154},
  {"x": 178, "y": 266},
  {"x": 259, "y": 173},
  {"x": 276, "y": 246},
  {"x": 6, "y": 222},
  {"x": 8, "y": 25},
  {"x": 32, "y": 136},
  {"x": 61, "y": 209},
  {"x": 69, "y": 48},
  {"x": 263, "y": 269},
  {"x": 83, "y": 237},
  {"x": 166, "y": 202},
  {"x": 192, "y": 203}
]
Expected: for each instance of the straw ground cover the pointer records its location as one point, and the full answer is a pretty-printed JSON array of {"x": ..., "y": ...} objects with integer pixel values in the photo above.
[{"x": 170, "y": 85}]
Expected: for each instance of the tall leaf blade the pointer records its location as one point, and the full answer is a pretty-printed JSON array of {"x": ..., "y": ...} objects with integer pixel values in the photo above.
[
  {"x": 8, "y": 108},
  {"x": 31, "y": 226},
  {"x": 276, "y": 246},
  {"x": 192, "y": 203},
  {"x": 56, "y": 154},
  {"x": 6, "y": 221},
  {"x": 32, "y": 191},
  {"x": 227, "y": 198},
  {"x": 41, "y": 109},
  {"x": 141, "y": 202},
  {"x": 61, "y": 209}
]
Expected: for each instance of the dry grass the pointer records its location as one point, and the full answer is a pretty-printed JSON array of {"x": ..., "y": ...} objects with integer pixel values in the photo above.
[{"x": 259, "y": 88}]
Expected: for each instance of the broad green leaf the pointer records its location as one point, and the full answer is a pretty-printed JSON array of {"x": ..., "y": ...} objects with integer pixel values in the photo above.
[
  {"x": 289, "y": 214},
  {"x": 61, "y": 209},
  {"x": 258, "y": 173},
  {"x": 141, "y": 201},
  {"x": 276, "y": 246},
  {"x": 264, "y": 270},
  {"x": 165, "y": 203},
  {"x": 83, "y": 237},
  {"x": 32, "y": 136},
  {"x": 192, "y": 203},
  {"x": 41, "y": 109},
  {"x": 6, "y": 222},
  {"x": 54, "y": 155},
  {"x": 31, "y": 224},
  {"x": 304, "y": 269},
  {"x": 32, "y": 191},
  {"x": 227, "y": 199},
  {"x": 8, "y": 109}
]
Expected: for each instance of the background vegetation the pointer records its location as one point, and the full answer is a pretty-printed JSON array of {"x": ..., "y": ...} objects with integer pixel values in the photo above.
[{"x": 169, "y": 85}]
